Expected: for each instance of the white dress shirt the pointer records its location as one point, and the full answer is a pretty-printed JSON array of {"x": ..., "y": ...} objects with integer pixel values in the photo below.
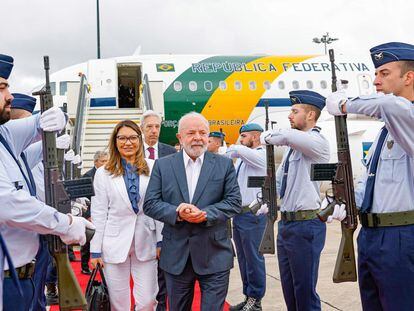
[
  {"x": 147, "y": 153},
  {"x": 250, "y": 162},
  {"x": 192, "y": 171}
]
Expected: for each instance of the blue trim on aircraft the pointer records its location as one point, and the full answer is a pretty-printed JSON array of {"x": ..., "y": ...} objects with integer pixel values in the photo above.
[
  {"x": 274, "y": 102},
  {"x": 103, "y": 102}
]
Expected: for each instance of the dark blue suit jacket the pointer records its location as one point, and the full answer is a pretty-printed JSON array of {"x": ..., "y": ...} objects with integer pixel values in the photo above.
[{"x": 217, "y": 193}]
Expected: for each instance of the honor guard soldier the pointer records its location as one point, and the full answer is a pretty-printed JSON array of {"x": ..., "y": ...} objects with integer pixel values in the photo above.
[
  {"x": 385, "y": 195},
  {"x": 215, "y": 142},
  {"x": 301, "y": 235},
  {"x": 22, "y": 107},
  {"x": 247, "y": 227},
  {"x": 22, "y": 216}
]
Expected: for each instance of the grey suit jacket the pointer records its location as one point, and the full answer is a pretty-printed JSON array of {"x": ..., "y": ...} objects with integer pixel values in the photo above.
[
  {"x": 217, "y": 192},
  {"x": 164, "y": 150}
]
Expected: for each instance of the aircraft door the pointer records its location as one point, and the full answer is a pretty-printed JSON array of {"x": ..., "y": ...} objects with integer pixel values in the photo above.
[
  {"x": 365, "y": 84},
  {"x": 129, "y": 85},
  {"x": 102, "y": 79}
]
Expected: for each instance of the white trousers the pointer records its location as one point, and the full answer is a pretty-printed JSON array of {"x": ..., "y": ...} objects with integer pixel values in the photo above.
[{"x": 144, "y": 275}]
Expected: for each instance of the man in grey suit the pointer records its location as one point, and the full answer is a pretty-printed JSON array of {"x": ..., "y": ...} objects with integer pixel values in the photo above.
[
  {"x": 151, "y": 127},
  {"x": 194, "y": 193},
  {"x": 153, "y": 149}
]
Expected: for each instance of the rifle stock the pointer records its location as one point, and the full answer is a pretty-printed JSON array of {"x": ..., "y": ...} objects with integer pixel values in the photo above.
[
  {"x": 345, "y": 266},
  {"x": 70, "y": 293},
  {"x": 343, "y": 193}
]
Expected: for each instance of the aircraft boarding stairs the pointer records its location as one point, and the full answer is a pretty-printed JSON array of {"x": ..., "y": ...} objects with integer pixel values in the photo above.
[{"x": 96, "y": 124}]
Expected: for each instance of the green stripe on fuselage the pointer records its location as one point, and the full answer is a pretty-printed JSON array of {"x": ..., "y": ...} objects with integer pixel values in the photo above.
[{"x": 176, "y": 104}]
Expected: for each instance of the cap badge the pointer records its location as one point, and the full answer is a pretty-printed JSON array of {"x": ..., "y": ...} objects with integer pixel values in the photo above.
[{"x": 379, "y": 56}]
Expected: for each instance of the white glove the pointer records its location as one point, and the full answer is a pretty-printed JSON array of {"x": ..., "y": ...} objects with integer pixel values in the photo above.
[
  {"x": 264, "y": 136},
  {"x": 77, "y": 159},
  {"x": 76, "y": 232},
  {"x": 77, "y": 208},
  {"x": 340, "y": 86},
  {"x": 335, "y": 101},
  {"x": 222, "y": 149},
  {"x": 70, "y": 155},
  {"x": 63, "y": 142},
  {"x": 338, "y": 214},
  {"x": 232, "y": 151},
  {"x": 84, "y": 201},
  {"x": 53, "y": 120},
  {"x": 263, "y": 210},
  {"x": 324, "y": 203}
]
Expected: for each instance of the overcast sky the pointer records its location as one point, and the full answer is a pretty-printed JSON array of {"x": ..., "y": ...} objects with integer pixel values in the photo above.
[{"x": 66, "y": 30}]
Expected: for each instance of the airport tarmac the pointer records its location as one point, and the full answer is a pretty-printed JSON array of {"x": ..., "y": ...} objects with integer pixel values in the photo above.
[{"x": 334, "y": 296}]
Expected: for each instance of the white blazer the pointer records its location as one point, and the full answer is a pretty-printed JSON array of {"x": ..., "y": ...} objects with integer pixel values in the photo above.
[{"x": 116, "y": 222}]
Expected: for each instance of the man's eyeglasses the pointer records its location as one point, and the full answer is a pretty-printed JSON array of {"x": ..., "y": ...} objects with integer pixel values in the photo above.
[{"x": 123, "y": 139}]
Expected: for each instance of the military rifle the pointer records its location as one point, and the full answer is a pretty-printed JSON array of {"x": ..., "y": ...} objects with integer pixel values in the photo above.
[
  {"x": 59, "y": 195},
  {"x": 340, "y": 174},
  {"x": 268, "y": 195},
  {"x": 61, "y": 152}
]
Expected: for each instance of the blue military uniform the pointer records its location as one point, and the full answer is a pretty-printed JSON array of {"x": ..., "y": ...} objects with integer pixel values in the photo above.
[
  {"x": 248, "y": 228},
  {"x": 301, "y": 235},
  {"x": 21, "y": 214},
  {"x": 386, "y": 191}
]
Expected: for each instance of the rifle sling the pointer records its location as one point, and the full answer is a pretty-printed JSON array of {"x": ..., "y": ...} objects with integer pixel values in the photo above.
[{"x": 372, "y": 220}]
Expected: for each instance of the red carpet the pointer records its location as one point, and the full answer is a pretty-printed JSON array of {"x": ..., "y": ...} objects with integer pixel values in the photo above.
[{"x": 83, "y": 281}]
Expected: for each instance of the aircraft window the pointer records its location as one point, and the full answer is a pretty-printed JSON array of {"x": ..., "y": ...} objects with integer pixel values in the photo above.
[
  {"x": 281, "y": 85},
  {"x": 53, "y": 88},
  {"x": 309, "y": 84},
  {"x": 237, "y": 85},
  {"x": 223, "y": 85},
  {"x": 208, "y": 86},
  {"x": 63, "y": 88},
  {"x": 324, "y": 85},
  {"x": 192, "y": 85},
  {"x": 295, "y": 85},
  {"x": 178, "y": 86},
  {"x": 252, "y": 85},
  {"x": 267, "y": 85}
]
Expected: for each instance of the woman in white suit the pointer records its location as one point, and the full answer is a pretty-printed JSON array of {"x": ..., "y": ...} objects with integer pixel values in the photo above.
[{"x": 126, "y": 240}]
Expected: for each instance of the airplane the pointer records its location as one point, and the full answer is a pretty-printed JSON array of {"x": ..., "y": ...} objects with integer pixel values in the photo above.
[{"x": 228, "y": 90}]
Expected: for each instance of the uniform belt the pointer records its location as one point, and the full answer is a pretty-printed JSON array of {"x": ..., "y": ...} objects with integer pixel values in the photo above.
[
  {"x": 24, "y": 272},
  {"x": 245, "y": 209},
  {"x": 299, "y": 215},
  {"x": 372, "y": 220}
]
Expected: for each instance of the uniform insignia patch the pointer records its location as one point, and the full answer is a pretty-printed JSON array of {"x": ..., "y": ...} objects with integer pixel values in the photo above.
[
  {"x": 390, "y": 144},
  {"x": 379, "y": 56}
]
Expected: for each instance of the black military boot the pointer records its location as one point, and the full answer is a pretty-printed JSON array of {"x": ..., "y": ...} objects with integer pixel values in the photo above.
[
  {"x": 52, "y": 297},
  {"x": 252, "y": 304},
  {"x": 239, "y": 306}
]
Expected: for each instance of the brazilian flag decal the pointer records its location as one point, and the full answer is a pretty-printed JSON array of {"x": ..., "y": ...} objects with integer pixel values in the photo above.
[{"x": 165, "y": 67}]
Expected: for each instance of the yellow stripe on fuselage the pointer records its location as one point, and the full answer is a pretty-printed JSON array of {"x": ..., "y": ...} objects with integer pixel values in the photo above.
[{"x": 237, "y": 105}]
